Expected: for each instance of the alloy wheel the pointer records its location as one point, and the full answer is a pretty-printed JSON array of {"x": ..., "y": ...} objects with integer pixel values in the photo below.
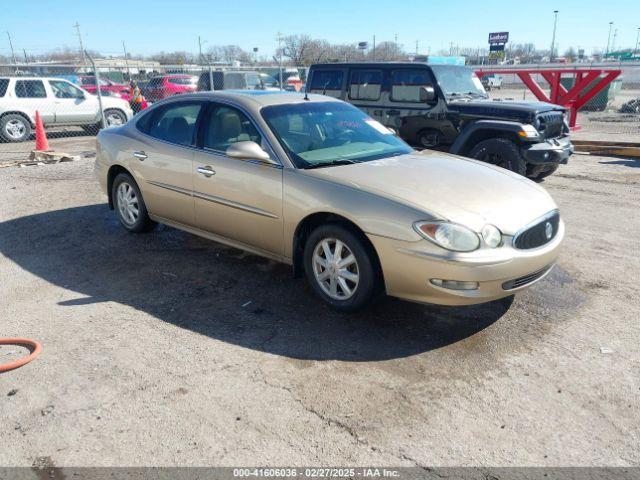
[
  {"x": 15, "y": 129},
  {"x": 335, "y": 268}
]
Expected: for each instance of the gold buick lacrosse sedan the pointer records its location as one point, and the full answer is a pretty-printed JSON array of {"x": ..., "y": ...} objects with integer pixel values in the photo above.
[{"x": 316, "y": 183}]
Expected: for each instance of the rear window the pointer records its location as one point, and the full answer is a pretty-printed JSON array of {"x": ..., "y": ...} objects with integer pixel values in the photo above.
[
  {"x": 4, "y": 84},
  {"x": 365, "y": 84},
  {"x": 30, "y": 89},
  {"x": 327, "y": 80}
]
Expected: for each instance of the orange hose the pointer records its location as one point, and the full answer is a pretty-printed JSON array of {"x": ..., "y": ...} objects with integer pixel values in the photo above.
[{"x": 32, "y": 345}]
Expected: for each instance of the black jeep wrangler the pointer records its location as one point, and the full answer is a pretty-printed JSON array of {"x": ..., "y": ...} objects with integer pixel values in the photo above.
[{"x": 446, "y": 107}]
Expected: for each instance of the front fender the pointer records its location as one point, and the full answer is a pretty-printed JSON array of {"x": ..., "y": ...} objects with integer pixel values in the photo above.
[{"x": 471, "y": 130}]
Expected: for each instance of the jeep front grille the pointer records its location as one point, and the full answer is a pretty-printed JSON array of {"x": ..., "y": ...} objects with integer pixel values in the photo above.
[
  {"x": 540, "y": 233},
  {"x": 550, "y": 124}
]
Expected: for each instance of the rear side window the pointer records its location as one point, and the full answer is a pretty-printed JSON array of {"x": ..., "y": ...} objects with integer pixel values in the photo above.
[
  {"x": 182, "y": 80},
  {"x": 174, "y": 123},
  {"x": 30, "y": 89},
  {"x": 365, "y": 84},
  {"x": 4, "y": 84},
  {"x": 327, "y": 79},
  {"x": 406, "y": 83}
]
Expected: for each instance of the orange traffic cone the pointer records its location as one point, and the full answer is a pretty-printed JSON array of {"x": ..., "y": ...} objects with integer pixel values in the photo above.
[{"x": 42, "y": 144}]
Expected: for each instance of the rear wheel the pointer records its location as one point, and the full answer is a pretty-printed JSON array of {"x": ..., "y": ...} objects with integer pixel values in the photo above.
[
  {"x": 340, "y": 268},
  {"x": 429, "y": 138},
  {"x": 114, "y": 117},
  {"x": 15, "y": 128},
  {"x": 129, "y": 205},
  {"x": 500, "y": 152}
]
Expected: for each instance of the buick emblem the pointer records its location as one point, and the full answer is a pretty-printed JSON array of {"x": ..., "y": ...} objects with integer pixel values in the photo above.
[{"x": 548, "y": 230}]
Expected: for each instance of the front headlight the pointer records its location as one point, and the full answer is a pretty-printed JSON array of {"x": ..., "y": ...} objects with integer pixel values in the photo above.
[{"x": 449, "y": 235}]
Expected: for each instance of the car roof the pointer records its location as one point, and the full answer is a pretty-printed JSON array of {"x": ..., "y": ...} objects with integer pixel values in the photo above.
[{"x": 256, "y": 98}]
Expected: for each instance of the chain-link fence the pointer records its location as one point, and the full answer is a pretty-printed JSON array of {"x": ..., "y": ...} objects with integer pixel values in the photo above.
[{"x": 66, "y": 97}]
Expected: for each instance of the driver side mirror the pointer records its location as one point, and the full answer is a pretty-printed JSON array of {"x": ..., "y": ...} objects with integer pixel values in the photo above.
[
  {"x": 248, "y": 151},
  {"x": 427, "y": 94}
]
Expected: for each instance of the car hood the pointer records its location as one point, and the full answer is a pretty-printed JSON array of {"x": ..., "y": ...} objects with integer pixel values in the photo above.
[
  {"x": 113, "y": 102},
  {"x": 448, "y": 187}
]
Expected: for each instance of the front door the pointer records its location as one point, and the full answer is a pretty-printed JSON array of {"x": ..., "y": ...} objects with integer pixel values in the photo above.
[
  {"x": 162, "y": 160},
  {"x": 237, "y": 199},
  {"x": 72, "y": 105}
]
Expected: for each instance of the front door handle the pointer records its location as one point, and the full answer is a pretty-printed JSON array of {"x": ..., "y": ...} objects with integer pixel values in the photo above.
[
  {"x": 140, "y": 156},
  {"x": 206, "y": 171},
  {"x": 393, "y": 112}
]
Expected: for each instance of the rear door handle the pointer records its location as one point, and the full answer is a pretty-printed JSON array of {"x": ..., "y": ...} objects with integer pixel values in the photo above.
[
  {"x": 206, "y": 171},
  {"x": 140, "y": 155}
]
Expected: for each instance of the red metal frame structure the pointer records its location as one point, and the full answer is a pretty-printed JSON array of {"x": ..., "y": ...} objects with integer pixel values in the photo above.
[{"x": 575, "y": 97}]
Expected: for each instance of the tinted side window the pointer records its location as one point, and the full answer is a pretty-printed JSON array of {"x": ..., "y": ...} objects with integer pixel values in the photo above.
[
  {"x": 327, "y": 80},
  {"x": 406, "y": 83},
  {"x": 175, "y": 123},
  {"x": 227, "y": 125},
  {"x": 365, "y": 84},
  {"x": 30, "y": 89},
  {"x": 4, "y": 84}
]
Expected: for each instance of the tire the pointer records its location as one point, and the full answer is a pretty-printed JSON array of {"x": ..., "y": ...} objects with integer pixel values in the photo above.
[
  {"x": 500, "y": 152},
  {"x": 133, "y": 215},
  {"x": 15, "y": 128},
  {"x": 361, "y": 276},
  {"x": 114, "y": 117},
  {"x": 545, "y": 173},
  {"x": 428, "y": 138}
]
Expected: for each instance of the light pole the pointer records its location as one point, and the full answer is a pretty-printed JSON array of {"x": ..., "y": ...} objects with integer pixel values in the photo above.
[
  {"x": 553, "y": 37},
  {"x": 608, "y": 41},
  {"x": 635, "y": 50}
]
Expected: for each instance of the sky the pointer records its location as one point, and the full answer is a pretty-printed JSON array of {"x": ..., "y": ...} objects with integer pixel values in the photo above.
[{"x": 149, "y": 26}]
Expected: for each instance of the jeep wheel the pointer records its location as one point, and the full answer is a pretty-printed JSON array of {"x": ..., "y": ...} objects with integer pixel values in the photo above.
[
  {"x": 500, "y": 152},
  {"x": 545, "y": 173},
  {"x": 428, "y": 138},
  {"x": 14, "y": 128}
]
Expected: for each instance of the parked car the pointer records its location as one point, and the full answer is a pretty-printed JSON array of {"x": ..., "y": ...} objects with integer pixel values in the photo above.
[
  {"x": 491, "y": 80},
  {"x": 445, "y": 106},
  {"x": 242, "y": 80},
  {"x": 60, "y": 103},
  {"x": 167, "y": 85},
  {"x": 316, "y": 183},
  {"x": 88, "y": 83}
]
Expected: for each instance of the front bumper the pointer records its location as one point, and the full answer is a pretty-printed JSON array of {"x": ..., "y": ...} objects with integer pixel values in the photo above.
[
  {"x": 553, "y": 151},
  {"x": 408, "y": 268}
]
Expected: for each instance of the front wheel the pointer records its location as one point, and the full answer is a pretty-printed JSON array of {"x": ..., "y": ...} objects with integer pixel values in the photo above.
[
  {"x": 341, "y": 268},
  {"x": 114, "y": 118},
  {"x": 500, "y": 152}
]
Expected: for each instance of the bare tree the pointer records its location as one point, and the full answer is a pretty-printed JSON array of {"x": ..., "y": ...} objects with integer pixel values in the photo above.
[{"x": 387, "y": 51}]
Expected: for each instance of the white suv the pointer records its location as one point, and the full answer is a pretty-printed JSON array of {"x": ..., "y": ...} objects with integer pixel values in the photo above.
[{"x": 60, "y": 103}]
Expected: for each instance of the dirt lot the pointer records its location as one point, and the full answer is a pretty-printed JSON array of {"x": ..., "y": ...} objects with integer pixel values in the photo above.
[{"x": 165, "y": 349}]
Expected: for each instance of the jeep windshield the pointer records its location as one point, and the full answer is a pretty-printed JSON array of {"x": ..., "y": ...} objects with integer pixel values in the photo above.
[
  {"x": 326, "y": 134},
  {"x": 458, "y": 82}
]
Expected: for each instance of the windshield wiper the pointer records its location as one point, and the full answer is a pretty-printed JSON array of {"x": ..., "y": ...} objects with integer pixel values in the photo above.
[{"x": 331, "y": 164}]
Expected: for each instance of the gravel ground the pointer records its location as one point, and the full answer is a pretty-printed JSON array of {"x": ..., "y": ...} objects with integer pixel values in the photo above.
[{"x": 166, "y": 349}]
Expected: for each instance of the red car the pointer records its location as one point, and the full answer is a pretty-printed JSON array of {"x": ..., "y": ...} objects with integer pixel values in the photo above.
[
  {"x": 167, "y": 85},
  {"x": 88, "y": 82}
]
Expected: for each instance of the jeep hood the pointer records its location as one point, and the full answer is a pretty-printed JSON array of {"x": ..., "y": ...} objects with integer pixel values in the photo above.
[
  {"x": 451, "y": 188},
  {"x": 502, "y": 110}
]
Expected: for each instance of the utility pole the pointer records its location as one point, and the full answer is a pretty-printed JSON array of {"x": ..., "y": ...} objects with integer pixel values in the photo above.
[
  {"x": 395, "y": 38},
  {"x": 200, "y": 49},
  {"x": 613, "y": 43},
  {"x": 374, "y": 48},
  {"x": 12, "y": 52},
  {"x": 608, "y": 40},
  {"x": 417, "y": 48},
  {"x": 126, "y": 60},
  {"x": 553, "y": 37},
  {"x": 84, "y": 58},
  {"x": 280, "y": 59},
  {"x": 635, "y": 50},
  {"x": 26, "y": 60}
]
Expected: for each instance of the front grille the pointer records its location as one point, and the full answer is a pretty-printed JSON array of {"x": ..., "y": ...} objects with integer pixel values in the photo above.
[
  {"x": 526, "y": 280},
  {"x": 539, "y": 234},
  {"x": 550, "y": 124}
]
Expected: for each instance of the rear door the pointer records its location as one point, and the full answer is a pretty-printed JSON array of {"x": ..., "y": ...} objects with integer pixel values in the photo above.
[
  {"x": 30, "y": 95},
  {"x": 72, "y": 105},
  {"x": 364, "y": 90},
  {"x": 162, "y": 159}
]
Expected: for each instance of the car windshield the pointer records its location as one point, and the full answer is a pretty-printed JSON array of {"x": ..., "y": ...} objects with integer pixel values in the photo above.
[
  {"x": 330, "y": 133},
  {"x": 458, "y": 81}
]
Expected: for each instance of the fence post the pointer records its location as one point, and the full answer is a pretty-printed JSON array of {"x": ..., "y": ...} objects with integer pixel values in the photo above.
[{"x": 103, "y": 122}]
